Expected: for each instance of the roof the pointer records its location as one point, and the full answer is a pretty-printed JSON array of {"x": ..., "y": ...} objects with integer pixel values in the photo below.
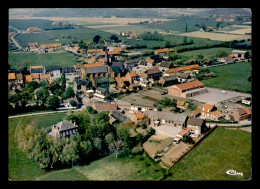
[
  {"x": 11, "y": 76},
  {"x": 19, "y": 76},
  {"x": 105, "y": 106},
  {"x": 195, "y": 121},
  {"x": 143, "y": 74},
  {"x": 118, "y": 116},
  {"x": 184, "y": 131},
  {"x": 176, "y": 118},
  {"x": 28, "y": 78},
  {"x": 248, "y": 111},
  {"x": 68, "y": 69},
  {"x": 184, "y": 68},
  {"x": 51, "y": 45},
  {"x": 65, "y": 125},
  {"x": 36, "y": 70},
  {"x": 96, "y": 69},
  {"x": 238, "y": 51},
  {"x": 181, "y": 103},
  {"x": 165, "y": 64},
  {"x": 153, "y": 71},
  {"x": 189, "y": 85},
  {"x": 164, "y": 50},
  {"x": 184, "y": 76},
  {"x": 132, "y": 74},
  {"x": 139, "y": 115},
  {"x": 130, "y": 61},
  {"x": 207, "y": 107},
  {"x": 92, "y": 65},
  {"x": 77, "y": 66},
  {"x": 51, "y": 68},
  {"x": 45, "y": 76},
  {"x": 95, "y": 50},
  {"x": 170, "y": 78}
]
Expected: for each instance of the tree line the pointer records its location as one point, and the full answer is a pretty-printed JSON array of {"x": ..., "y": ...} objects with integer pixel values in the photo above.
[{"x": 96, "y": 138}]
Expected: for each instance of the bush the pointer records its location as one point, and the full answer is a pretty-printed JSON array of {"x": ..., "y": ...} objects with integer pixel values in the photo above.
[{"x": 137, "y": 150}]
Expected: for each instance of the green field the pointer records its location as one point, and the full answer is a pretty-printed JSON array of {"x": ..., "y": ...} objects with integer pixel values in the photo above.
[
  {"x": 20, "y": 60},
  {"x": 231, "y": 77},
  {"x": 221, "y": 150}
]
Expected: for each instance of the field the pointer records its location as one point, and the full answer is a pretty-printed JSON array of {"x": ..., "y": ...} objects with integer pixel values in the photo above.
[
  {"x": 231, "y": 77},
  {"x": 19, "y": 60},
  {"x": 222, "y": 150},
  {"x": 215, "y": 36}
]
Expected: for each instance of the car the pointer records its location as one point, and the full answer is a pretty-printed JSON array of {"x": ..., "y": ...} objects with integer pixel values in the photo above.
[{"x": 225, "y": 92}]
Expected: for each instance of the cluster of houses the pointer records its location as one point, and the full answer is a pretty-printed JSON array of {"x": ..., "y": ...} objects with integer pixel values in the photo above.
[
  {"x": 42, "y": 48},
  {"x": 235, "y": 56},
  {"x": 129, "y": 34}
]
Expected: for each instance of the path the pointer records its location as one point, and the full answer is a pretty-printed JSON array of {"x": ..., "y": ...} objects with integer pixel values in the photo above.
[
  {"x": 241, "y": 123},
  {"x": 42, "y": 113},
  {"x": 12, "y": 37}
]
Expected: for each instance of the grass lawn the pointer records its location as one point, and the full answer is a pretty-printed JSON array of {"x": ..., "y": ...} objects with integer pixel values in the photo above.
[
  {"x": 19, "y": 60},
  {"x": 231, "y": 77},
  {"x": 222, "y": 150}
]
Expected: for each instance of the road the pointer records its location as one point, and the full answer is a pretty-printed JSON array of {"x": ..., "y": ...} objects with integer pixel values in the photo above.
[
  {"x": 241, "y": 123},
  {"x": 42, "y": 113},
  {"x": 12, "y": 37}
]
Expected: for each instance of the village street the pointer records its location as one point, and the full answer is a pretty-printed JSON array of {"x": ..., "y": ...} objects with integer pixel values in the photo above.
[{"x": 12, "y": 37}]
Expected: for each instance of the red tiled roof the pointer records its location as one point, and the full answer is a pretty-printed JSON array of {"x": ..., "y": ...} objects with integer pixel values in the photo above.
[
  {"x": 139, "y": 115},
  {"x": 184, "y": 68},
  {"x": 189, "y": 85}
]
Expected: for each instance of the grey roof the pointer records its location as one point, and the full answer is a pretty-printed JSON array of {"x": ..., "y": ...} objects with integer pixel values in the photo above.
[
  {"x": 165, "y": 64},
  {"x": 118, "y": 116},
  {"x": 195, "y": 121},
  {"x": 116, "y": 69},
  {"x": 65, "y": 125},
  {"x": 119, "y": 64},
  {"x": 176, "y": 118},
  {"x": 51, "y": 68},
  {"x": 153, "y": 71},
  {"x": 68, "y": 69},
  {"x": 96, "y": 69},
  {"x": 36, "y": 70},
  {"x": 170, "y": 78},
  {"x": 80, "y": 82},
  {"x": 184, "y": 76},
  {"x": 103, "y": 90}
]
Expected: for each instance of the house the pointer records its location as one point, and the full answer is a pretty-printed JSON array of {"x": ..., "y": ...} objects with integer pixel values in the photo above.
[
  {"x": 102, "y": 91},
  {"x": 27, "y": 78},
  {"x": 209, "y": 111},
  {"x": 163, "y": 51},
  {"x": 63, "y": 129},
  {"x": 117, "y": 117},
  {"x": 131, "y": 63},
  {"x": 137, "y": 108},
  {"x": 164, "y": 66},
  {"x": 182, "y": 105},
  {"x": 240, "y": 55},
  {"x": 182, "y": 78},
  {"x": 241, "y": 114},
  {"x": 50, "y": 47},
  {"x": 168, "y": 80},
  {"x": 122, "y": 83},
  {"x": 154, "y": 73},
  {"x": 139, "y": 118},
  {"x": 54, "y": 71},
  {"x": 77, "y": 67},
  {"x": 45, "y": 77},
  {"x": 143, "y": 80},
  {"x": 68, "y": 70},
  {"x": 117, "y": 69},
  {"x": 184, "y": 133},
  {"x": 33, "y": 47},
  {"x": 246, "y": 101},
  {"x": 189, "y": 89},
  {"x": 94, "y": 51},
  {"x": 196, "y": 113},
  {"x": 132, "y": 77},
  {"x": 81, "y": 87},
  {"x": 36, "y": 69},
  {"x": 100, "y": 107},
  {"x": 157, "y": 118},
  {"x": 194, "y": 68},
  {"x": 196, "y": 125},
  {"x": 11, "y": 79},
  {"x": 19, "y": 78},
  {"x": 33, "y": 30}
]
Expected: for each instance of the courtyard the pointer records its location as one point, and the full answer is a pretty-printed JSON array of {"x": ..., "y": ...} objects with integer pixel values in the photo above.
[{"x": 215, "y": 96}]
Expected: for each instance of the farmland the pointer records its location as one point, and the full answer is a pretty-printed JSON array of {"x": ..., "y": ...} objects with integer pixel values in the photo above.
[
  {"x": 222, "y": 150},
  {"x": 20, "y": 60},
  {"x": 231, "y": 77}
]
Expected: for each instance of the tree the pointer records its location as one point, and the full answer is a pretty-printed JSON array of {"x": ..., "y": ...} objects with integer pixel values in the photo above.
[
  {"x": 52, "y": 102},
  {"x": 42, "y": 94},
  {"x": 82, "y": 45},
  {"x": 96, "y": 39},
  {"x": 186, "y": 28},
  {"x": 85, "y": 147},
  {"x": 221, "y": 53},
  {"x": 69, "y": 153},
  {"x": 63, "y": 82},
  {"x": 117, "y": 147},
  {"x": 185, "y": 39},
  {"x": 68, "y": 93},
  {"x": 122, "y": 132},
  {"x": 73, "y": 103},
  {"x": 109, "y": 138},
  {"x": 114, "y": 38}
]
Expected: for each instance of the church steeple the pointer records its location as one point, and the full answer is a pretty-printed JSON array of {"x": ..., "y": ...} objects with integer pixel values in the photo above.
[{"x": 107, "y": 62}]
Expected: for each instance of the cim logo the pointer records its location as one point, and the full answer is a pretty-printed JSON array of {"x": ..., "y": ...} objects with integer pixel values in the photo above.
[{"x": 234, "y": 172}]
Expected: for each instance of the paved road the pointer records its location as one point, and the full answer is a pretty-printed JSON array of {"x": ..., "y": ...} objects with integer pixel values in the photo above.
[
  {"x": 12, "y": 37},
  {"x": 241, "y": 123},
  {"x": 42, "y": 113}
]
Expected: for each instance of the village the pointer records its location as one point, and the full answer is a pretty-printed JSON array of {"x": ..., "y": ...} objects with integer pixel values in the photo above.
[
  {"x": 162, "y": 97},
  {"x": 138, "y": 86}
]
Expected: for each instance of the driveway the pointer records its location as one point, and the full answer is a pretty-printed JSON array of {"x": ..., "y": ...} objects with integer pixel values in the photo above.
[
  {"x": 215, "y": 95},
  {"x": 167, "y": 130}
]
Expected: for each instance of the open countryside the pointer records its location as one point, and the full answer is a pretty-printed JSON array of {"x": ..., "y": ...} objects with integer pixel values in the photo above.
[{"x": 160, "y": 94}]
